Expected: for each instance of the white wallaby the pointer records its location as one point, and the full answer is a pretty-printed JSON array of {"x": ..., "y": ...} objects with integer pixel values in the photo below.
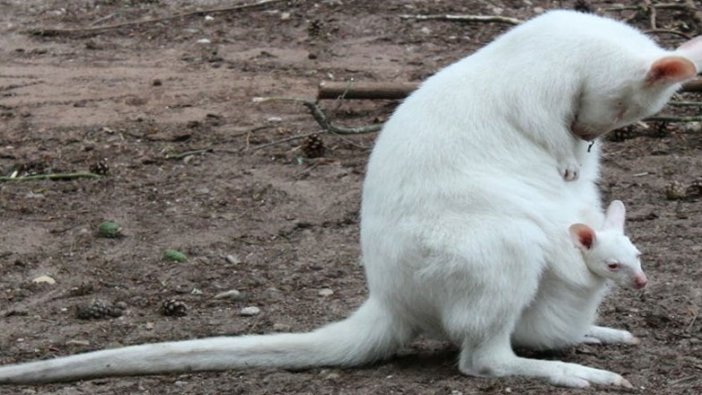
[
  {"x": 469, "y": 190},
  {"x": 599, "y": 258},
  {"x": 611, "y": 256}
]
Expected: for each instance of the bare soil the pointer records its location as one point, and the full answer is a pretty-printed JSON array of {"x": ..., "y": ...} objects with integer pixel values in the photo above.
[{"x": 124, "y": 101}]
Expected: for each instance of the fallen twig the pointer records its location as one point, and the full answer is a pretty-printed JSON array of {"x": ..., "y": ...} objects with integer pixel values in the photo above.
[
  {"x": 685, "y": 103},
  {"x": 52, "y": 176},
  {"x": 672, "y": 118},
  {"x": 400, "y": 90},
  {"x": 100, "y": 29},
  {"x": 285, "y": 140},
  {"x": 321, "y": 118},
  {"x": 465, "y": 18},
  {"x": 661, "y": 6},
  {"x": 364, "y": 90},
  {"x": 182, "y": 155},
  {"x": 668, "y": 31}
]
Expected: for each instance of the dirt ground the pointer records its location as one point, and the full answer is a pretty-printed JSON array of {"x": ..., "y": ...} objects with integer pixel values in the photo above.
[{"x": 126, "y": 102}]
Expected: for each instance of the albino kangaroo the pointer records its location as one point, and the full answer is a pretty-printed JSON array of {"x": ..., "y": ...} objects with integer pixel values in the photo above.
[
  {"x": 464, "y": 212},
  {"x": 609, "y": 257}
]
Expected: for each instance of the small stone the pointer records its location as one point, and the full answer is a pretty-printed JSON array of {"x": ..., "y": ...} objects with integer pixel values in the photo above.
[
  {"x": 278, "y": 327},
  {"x": 274, "y": 119},
  {"x": 156, "y": 82},
  {"x": 77, "y": 342},
  {"x": 204, "y": 41},
  {"x": 233, "y": 259},
  {"x": 249, "y": 311},
  {"x": 149, "y": 326},
  {"x": 325, "y": 292},
  {"x": 231, "y": 294},
  {"x": 44, "y": 280},
  {"x": 209, "y": 18},
  {"x": 284, "y": 16},
  {"x": 693, "y": 127}
]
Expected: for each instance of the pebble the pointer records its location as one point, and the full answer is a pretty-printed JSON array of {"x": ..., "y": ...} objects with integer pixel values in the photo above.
[
  {"x": 249, "y": 311},
  {"x": 149, "y": 326},
  {"x": 325, "y": 292},
  {"x": 233, "y": 259},
  {"x": 284, "y": 16},
  {"x": 204, "y": 41},
  {"x": 209, "y": 18},
  {"x": 44, "y": 279},
  {"x": 78, "y": 342},
  {"x": 231, "y": 294},
  {"x": 278, "y": 327}
]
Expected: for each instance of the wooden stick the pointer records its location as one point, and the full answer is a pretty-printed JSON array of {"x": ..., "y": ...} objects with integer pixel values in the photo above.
[
  {"x": 400, "y": 90},
  {"x": 365, "y": 90},
  {"x": 321, "y": 117},
  {"x": 53, "y": 176},
  {"x": 465, "y": 18},
  {"x": 99, "y": 29}
]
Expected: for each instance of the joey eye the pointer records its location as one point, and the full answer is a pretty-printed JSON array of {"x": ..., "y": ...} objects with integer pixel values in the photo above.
[{"x": 613, "y": 266}]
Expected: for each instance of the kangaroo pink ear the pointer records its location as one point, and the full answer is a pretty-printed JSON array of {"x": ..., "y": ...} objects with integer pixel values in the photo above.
[
  {"x": 692, "y": 49},
  {"x": 671, "y": 70},
  {"x": 582, "y": 235},
  {"x": 615, "y": 216}
]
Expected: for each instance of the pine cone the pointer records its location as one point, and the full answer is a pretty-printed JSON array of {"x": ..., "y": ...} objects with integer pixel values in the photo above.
[
  {"x": 99, "y": 309},
  {"x": 313, "y": 147},
  {"x": 314, "y": 28},
  {"x": 174, "y": 308},
  {"x": 621, "y": 134},
  {"x": 675, "y": 191},
  {"x": 694, "y": 190},
  {"x": 100, "y": 167}
]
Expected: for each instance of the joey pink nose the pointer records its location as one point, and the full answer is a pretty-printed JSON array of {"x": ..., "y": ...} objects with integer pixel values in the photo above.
[{"x": 640, "y": 281}]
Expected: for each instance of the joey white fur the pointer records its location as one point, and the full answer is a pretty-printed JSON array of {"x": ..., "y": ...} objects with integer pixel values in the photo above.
[{"x": 470, "y": 192}]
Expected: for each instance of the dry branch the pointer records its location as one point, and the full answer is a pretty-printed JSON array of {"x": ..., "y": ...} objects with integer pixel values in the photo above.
[
  {"x": 99, "y": 29},
  {"x": 364, "y": 90},
  {"x": 465, "y": 18},
  {"x": 52, "y": 176},
  {"x": 668, "y": 31},
  {"x": 400, "y": 90},
  {"x": 321, "y": 117}
]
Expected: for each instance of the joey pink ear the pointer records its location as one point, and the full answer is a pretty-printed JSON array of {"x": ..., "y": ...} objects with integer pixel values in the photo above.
[
  {"x": 582, "y": 235},
  {"x": 615, "y": 215},
  {"x": 671, "y": 70}
]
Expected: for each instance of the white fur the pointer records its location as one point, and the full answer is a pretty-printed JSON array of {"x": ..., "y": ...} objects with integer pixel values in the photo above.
[{"x": 463, "y": 214}]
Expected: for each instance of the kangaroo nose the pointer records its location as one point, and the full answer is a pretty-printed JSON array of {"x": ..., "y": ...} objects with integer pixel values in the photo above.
[{"x": 640, "y": 281}]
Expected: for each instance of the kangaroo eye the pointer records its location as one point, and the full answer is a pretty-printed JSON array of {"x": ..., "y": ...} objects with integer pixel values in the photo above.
[{"x": 613, "y": 266}]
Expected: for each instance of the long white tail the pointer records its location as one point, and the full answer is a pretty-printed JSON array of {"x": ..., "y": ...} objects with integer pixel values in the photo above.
[{"x": 369, "y": 334}]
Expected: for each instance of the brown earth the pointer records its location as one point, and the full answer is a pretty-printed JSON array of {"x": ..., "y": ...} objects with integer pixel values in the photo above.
[{"x": 131, "y": 98}]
